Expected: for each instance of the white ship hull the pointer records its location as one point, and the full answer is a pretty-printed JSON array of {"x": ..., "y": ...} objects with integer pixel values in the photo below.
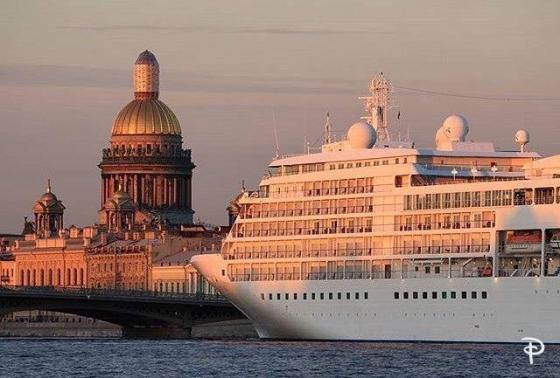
[{"x": 514, "y": 307}]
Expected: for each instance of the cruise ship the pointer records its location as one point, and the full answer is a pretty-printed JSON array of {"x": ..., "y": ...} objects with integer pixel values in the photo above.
[{"x": 374, "y": 239}]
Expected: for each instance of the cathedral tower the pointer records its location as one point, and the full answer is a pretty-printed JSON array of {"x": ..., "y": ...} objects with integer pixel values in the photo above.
[{"x": 146, "y": 156}]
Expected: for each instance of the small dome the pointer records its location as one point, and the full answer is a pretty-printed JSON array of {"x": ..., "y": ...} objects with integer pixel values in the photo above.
[
  {"x": 146, "y": 57},
  {"x": 148, "y": 116},
  {"x": 522, "y": 137},
  {"x": 361, "y": 135},
  {"x": 456, "y": 128}
]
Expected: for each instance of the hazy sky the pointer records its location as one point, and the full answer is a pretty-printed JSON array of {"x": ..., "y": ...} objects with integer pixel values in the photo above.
[{"x": 229, "y": 68}]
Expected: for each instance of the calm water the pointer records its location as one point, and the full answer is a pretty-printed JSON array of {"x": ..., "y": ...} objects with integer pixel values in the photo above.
[{"x": 120, "y": 358}]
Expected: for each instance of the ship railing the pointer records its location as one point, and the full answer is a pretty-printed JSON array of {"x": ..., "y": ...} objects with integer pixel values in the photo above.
[
  {"x": 363, "y": 274},
  {"x": 360, "y": 252}
]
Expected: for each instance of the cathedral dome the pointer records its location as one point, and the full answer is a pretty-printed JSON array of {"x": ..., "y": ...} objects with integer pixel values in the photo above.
[{"x": 147, "y": 116}]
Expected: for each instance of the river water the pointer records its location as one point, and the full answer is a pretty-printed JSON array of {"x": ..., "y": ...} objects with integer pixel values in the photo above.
[{"x": 124, "y": 358}]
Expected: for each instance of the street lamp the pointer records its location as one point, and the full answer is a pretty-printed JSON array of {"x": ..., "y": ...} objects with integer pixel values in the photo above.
[
  {"x": 494, "y": 169},
  {"x": 474, "y": 171},
  {"x": 454, "y": 173}
]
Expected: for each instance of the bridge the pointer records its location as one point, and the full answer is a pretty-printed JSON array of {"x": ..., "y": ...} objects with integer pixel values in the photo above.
[{"x": 141, "y": 314}]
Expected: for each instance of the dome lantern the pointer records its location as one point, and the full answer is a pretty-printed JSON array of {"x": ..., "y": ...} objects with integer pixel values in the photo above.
[{"x": 146, "y": 76}]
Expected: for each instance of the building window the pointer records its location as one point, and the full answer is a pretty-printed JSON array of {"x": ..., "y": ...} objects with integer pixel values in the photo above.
[
  {"x": 270, "y": 296},
  {"x": 444, "y": 295},
  {"x": 287, "y": 296},
  {"x": 424, "y": 295},
  {"x": 330, "y": 296},
  {"x": 322, "y": 296},
  {"x": 304, "y": 296},
  {"x": 313, "y": 296},
  {"x": 357, "y": 296},
  {"x": 278, "y": 296},
  {"x": 437, "y": 270},
  {"x": 339, "y": 296},
  {"x": 262, "y": 296},
  {"x": 366, "y": 295},
  {"x": 427, "y": 269},
  {"x": 347, "y": 295}
]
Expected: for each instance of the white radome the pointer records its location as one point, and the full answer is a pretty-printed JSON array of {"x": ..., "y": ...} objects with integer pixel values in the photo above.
[
  {"x": 441, "y": 138},
  {"x": 456, "y": 128},
  {"x": 361, "y": 135},
  {"x": 522, "y": 137}
]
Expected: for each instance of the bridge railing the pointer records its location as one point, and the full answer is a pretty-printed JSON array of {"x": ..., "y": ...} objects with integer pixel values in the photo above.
[{"x": 88, "y": 292}]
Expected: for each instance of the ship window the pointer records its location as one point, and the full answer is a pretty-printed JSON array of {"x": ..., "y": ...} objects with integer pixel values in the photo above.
[
  {"x": 365, "y": 295},
  {"x": 304, "y": 296},
  {"x": 358, "y": 165},
  {"x": 287, "y": 296},
  {"x": 295, "y": 296},
  {"x": 453, "y": 295},
  {"x": 484, "y": 295},
  {"x": 313, "y": 296},
  {"x": 463, "y": 294},
  {"x": 278, "y": 296},
  {"x": 405, "y": 295},
  {"x": 396, "y": 295},
  {"x": 444, "y": 295},
  {"x": 414, "y": 295},
  {"x": 357, "y": 295},
  {"x": 262, "y": 296},
  {"x": 270, "y": 296},
  {"x": 434, "y": 294},
  {"x": 425, "y": 295},
  {"x": 330, "y": 296},
  {"x": 367, "y": 163},
  {"x": 322, "y": 296},
  {"x": 473, "y": 295},
  {"x": 437, "y": 270},
  {"x": 332, "y": 167},
  {"x": 339, "y": 295},
  {"x": 223, "y": 272},
  {"x": 347, "y": 295}
]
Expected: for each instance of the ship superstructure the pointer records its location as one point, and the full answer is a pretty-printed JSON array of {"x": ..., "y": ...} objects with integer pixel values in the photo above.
[{"x": 390, "y": 242}]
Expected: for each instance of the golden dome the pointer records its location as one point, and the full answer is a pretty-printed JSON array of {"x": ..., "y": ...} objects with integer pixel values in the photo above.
[{"x": 146, "y": 116}]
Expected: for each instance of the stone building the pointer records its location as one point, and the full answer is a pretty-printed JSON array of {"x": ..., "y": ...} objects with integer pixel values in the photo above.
[{"x": 146, "y": 156}]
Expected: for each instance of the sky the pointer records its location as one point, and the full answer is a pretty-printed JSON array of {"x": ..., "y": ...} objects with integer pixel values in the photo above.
[{"x": 233, "y": 71}]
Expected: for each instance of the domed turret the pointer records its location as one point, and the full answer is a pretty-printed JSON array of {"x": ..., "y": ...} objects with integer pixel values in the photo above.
[
  {"x": 49, "y": 214},
  {"x": 361, "y": 135},
  {"x": 456, "y": 128}
]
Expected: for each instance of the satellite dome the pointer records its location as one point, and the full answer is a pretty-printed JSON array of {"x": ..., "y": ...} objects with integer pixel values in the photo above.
[
  {"x": 361, "y": 135},
  {"x": 522, "y": 137},
  {"x": 456, "y": 128},
  {"x": 441, "y": 138}
]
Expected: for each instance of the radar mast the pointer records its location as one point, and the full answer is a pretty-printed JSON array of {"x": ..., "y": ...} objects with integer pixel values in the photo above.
[{"x": 377, "y": 106}]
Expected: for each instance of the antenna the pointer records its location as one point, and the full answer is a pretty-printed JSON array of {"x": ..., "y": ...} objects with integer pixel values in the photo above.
[
  {"x": 328, "y": 130},
  {"x": 377, "y": 106},
  {"x": 277, "y": 151}
]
